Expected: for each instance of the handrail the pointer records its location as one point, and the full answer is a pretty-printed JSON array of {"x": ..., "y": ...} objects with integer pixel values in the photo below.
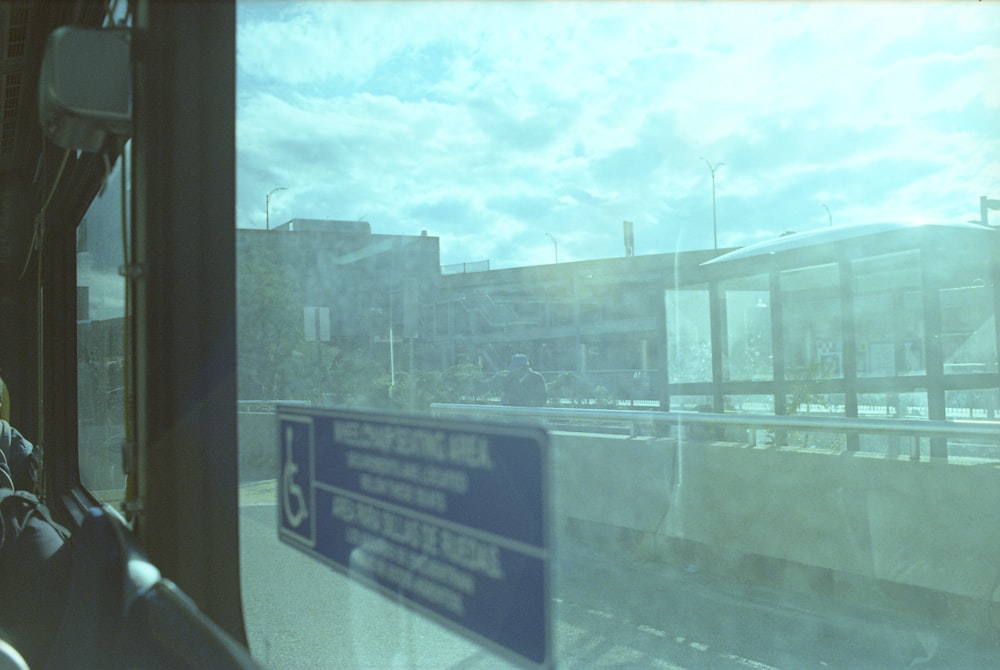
[{"x": 925, "y": 428}]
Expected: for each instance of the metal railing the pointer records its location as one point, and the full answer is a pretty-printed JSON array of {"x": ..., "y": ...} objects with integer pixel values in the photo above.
[
  {"x": 989, "y": 430},
  {"x": 462, "y": 268},
  {"x": 267, "y": 406}
]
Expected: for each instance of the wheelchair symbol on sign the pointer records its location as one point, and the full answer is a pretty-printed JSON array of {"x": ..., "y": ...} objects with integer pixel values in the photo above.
[{"x": 291, "y": 489}]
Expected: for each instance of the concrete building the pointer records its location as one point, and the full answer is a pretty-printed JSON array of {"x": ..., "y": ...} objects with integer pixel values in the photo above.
[
  {"x": 311, "y": 290},
  {"x": 870, "y": 320},
  {"x": 596, "y": 324},
  {"x": 592, "y": 325}
]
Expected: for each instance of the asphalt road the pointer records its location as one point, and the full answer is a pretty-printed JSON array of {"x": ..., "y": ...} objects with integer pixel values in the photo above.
[{"x": 609, "y": 613}]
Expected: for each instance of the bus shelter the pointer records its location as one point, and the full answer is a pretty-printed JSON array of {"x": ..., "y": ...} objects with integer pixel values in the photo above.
[{"x": 871, "y": 320}]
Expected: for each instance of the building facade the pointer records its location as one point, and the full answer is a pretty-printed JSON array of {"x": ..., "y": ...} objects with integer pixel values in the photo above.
[{"x": 889, "y": 320}]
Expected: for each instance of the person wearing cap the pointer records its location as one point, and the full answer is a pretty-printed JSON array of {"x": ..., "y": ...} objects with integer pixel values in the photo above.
[{"x": 524, "y": 387}]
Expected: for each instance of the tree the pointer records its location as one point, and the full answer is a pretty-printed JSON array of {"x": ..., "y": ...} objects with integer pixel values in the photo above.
[{"x": 269, "y": 328}]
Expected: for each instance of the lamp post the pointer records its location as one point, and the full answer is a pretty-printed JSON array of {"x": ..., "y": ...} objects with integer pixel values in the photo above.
[
  {"x": 267, "y": 206},
  {"x": 715, "y": 227},
  {"x": 555, "y": 247},
  {"x": 829, "y": 216}
]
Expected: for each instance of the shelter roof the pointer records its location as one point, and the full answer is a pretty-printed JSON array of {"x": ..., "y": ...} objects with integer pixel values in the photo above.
[{"x": 834, "y": 235}]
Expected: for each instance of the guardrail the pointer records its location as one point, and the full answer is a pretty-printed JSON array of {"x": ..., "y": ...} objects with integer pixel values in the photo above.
[
  {"x": 268, "y": 406},
  {"x": 989, "y": 430}
]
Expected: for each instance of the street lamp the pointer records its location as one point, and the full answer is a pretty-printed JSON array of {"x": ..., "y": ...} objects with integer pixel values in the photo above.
[
  {"x": 829, "y": 216},
  {"x": 715, "y": 227},
  {"x": 555, "y": 247},
  {"x": 267, "y": 206}
]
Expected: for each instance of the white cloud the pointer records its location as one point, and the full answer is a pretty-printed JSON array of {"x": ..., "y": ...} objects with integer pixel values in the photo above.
[{"x": 566, "y": 117}]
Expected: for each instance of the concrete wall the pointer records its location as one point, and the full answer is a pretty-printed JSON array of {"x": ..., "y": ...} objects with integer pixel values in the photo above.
[
  {"x": 258, "y": 446},
  {"x": 913, "y": 535}
]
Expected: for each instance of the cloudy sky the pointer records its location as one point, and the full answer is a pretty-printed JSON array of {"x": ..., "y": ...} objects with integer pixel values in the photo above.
[{"x": 499, "y": 127}]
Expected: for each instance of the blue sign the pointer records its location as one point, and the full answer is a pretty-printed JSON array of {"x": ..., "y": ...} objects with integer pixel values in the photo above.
[{"x": 451, "y": 516}]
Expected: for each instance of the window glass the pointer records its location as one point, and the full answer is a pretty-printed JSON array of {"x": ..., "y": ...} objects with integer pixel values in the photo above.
[
  {"x": 431, "y": 195},
  {"x": 973, "y": 405},
  {"x": 750, "y": 404},
  {"x": 889, "y": 315},
  {"x": 748, "y": 328},
  {"x": 691, "y": 403},
  {"x": 969, "y": 327},
  {"x": 689, "y": 335},
  {"x": 101, "y": 364},
  {"x": 805, "y": 402},
  {"x": 812, "y": 323},
  {"x": 898, "y": 405}
]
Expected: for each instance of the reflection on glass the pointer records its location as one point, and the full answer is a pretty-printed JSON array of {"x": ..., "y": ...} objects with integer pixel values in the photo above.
[
  {"x": 888, "y": 315},
  {"x": 899, "y": 405},
  {"x": 812, "y": 323},
  {"x": 689, "y": 335},
  {"x": 507, "y": 141},
  {"x": 973, "y": 405},
  {"x": 748, "y": 329},
  {"x": 101, "y": 341},
  {"x": 969, "y": 338}
]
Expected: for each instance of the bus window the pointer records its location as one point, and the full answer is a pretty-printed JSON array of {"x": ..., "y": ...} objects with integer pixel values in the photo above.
[
  {"x": 101, "y": 324},
  {"x": 750, "y": 262}
]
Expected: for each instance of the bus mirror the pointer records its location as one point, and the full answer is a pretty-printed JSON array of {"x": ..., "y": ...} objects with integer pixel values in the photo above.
[{"x": 84, "y": 92}]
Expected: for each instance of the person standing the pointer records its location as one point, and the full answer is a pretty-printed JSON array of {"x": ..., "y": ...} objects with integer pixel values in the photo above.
[{"x": 524, "y": 387}]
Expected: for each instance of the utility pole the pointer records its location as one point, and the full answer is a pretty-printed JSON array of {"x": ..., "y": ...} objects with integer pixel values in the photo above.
[
  {"x": 267, "y": 206},
  {"x": 715, "y": 225}
]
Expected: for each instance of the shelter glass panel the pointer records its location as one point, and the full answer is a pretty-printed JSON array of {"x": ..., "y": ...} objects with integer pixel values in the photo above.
[
  {"x": 888, "y": 405},
  {"x": 757, "y": 403},
  {"x": 973, "y": 405},
  {"x": 749, "y": 404},
  {"x": 812, "y": 322},
  {"x": 889, "y": 315},
  {"x": 910, "y": 405},
  {"x": 748, "y": 329},
  {"x": 968, "y": 321},
  {"x": 689, "y": 335},
  {"x": 803, "y": 402},
  {"x": 691, "y": 403}
]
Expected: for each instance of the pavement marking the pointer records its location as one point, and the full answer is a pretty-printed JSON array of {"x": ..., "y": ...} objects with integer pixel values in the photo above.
[
  {"x": 757, "y": 665},
  {"x": 679, "y": 640},
  {"x": 652, "y": 631}
]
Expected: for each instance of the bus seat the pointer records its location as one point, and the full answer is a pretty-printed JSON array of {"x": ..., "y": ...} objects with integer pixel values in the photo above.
[
  {"x": 165, "y": 631},
  {"x": 90, "y": 631},
  {"x": 122, "y": 614}
]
